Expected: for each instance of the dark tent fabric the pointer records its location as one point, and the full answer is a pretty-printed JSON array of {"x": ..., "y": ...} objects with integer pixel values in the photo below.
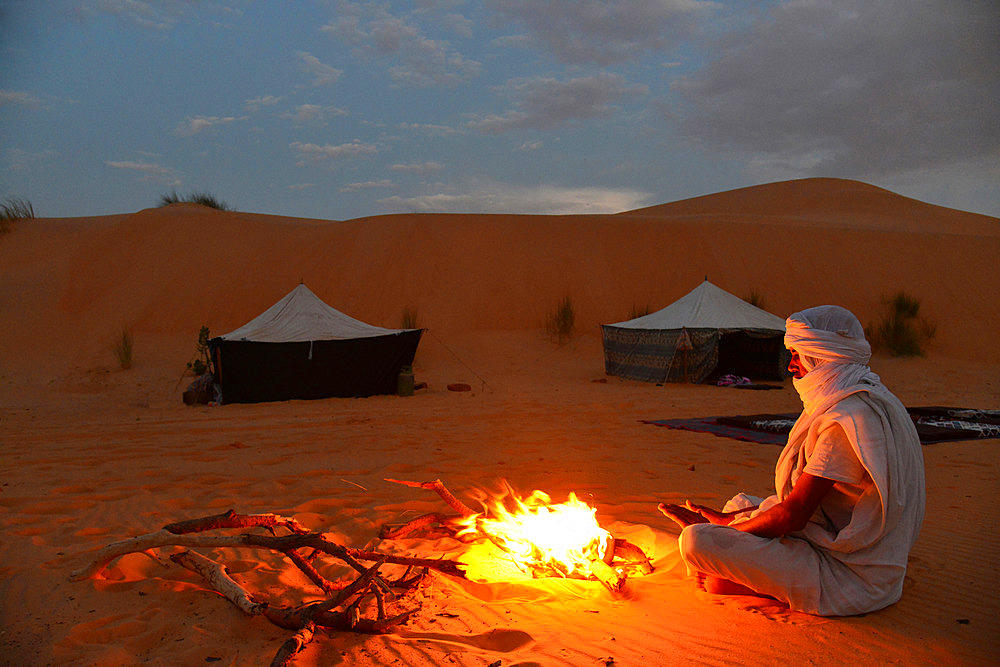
[
  {"x": 705, "y": 333},
  {"x": 301, "y": 348}
]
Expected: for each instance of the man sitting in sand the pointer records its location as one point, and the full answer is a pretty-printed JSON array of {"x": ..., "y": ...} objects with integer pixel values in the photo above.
[{"x": 834, "y": 539}]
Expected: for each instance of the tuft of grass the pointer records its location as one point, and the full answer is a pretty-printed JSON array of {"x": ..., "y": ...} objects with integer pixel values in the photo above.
[
  {"x": 755, "y": 298},
  {"x": 12, "y": 209},
  {"x": 201, "y": 198},
  {"x": 409, "y": 319},
  {"x": 900, "y": 330},
  {"x": 561, "y": 321},
  {"x": 124, "y": 348},
  {"x": 639, "y": 311}
]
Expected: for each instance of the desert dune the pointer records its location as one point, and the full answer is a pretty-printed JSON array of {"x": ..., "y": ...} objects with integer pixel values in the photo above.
[{"x": 93, "y": 453}]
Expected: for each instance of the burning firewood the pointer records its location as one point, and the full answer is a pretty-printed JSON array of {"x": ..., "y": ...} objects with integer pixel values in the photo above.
[
  {"x": 592, "y": 552},
  {"x": 598, "y": 555}
]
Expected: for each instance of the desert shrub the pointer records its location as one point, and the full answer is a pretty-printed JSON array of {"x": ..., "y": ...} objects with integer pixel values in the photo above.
[
  {"x": 900, "y": 330},
  {"x": 561, "y": 320},
  {"x": 409, "y": 319},
  {"x": 755, "y": 298},
  {"x": 201, "y": 198},
  {"x": 123, "y": 348},
  {"x": 203, "y": 362},
  {"x": 14, "y": 208},
  {"x": 638, "y": 311}
]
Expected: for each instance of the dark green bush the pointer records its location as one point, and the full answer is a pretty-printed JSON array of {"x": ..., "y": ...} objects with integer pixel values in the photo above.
[
  {"x": 900, "y": 330},
  {"x": 201, "y": 198},
  {"x": 561, "y": 321}
]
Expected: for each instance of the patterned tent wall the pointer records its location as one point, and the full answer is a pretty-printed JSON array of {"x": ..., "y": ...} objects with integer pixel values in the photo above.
[{"x": 679, "y": 355}]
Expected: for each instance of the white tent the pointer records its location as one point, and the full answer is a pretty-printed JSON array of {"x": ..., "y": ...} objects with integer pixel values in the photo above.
[
  {"x": 708, "y": 331},
  {"x": 303, "y": 348},
  {"x": 301, "y": 316}
]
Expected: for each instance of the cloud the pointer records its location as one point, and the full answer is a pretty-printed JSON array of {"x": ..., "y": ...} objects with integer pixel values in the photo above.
[
  {"x": 545, "y": 103},
  {"x": 22, "y": 160},
  {"x": 149, "y": 171},
  {"x": 19, "y": 98},
  {"x": 153, "y": 14},
  {"x": 851, "y": 87},
  {"x": 421, "y": 168},
  {"x": 258, "y": 103},
  {"x": 434, "y": 130},
  {"x": 309, "y": 113},
  {"x": 323, "y": 75},
  {"x": 193, "y": 126},
  {"x": 327, "y": 154},
  {"x": 411, "y": 57},
  {"x": 367, "y": 185},
  {"x": 604, "y": 31},
  {"x": 507, "y": 198}
]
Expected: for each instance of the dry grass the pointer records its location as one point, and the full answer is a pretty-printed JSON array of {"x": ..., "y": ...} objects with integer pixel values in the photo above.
[
  {"x": 561, "y": 321},
  {"x": 124, "y": 348},
  {"x": 201, "y": 198},
  {"x": 900, "y": 330}
]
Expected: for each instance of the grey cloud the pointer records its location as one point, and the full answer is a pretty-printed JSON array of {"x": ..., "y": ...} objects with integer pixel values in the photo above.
[
  {"x": 307, "y": 113},
  {"x": 149, "y": 171},
  {"x": 852, "y": 87},
  {"x": 411, "y": 57},
  {"x": 327, "y": 153},
  {"x": 421, "y": 168},
  {"x": 508, "y": 198},
  {"x": 545, "y": 103},
  {"x": 323, "y": 74},
  {"x": 17, "y": 97},
  {"x": 604, "y": 31},
  {"x": 193, "y": 126}
]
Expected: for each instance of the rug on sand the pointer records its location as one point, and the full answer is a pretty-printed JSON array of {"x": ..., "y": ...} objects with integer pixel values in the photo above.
[{"x": 934, "y": 424}]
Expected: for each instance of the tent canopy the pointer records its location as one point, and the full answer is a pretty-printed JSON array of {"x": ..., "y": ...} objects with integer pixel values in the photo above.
[
  {"x": 708, "y": 307},
  {"x": 301, "y": 316},
  {"x": 706, "y": 331},
  {"x": 301, "y": 348}
]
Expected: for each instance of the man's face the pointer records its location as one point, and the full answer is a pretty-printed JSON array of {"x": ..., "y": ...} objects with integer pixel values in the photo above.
[{"x": 795, "y": 366}]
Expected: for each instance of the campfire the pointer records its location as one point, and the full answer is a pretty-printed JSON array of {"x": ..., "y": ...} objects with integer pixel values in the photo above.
[{"x": 537, "y": 537}]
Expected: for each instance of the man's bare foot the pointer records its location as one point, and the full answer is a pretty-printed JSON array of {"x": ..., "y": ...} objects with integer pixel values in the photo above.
[{"x": 720, "y": 586}]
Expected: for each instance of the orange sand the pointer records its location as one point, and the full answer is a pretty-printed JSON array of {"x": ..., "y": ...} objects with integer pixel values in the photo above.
[{"x": 92, "y": 454}]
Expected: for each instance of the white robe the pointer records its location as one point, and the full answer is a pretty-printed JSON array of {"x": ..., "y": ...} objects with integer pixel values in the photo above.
[{"x": 861, "y": 567}]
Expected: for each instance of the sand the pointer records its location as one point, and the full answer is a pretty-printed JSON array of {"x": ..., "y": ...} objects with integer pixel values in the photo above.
[{"x": 92, "y": 453}]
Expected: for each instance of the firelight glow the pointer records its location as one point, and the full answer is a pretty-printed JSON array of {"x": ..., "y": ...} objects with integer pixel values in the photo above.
[{"x": 541, "y": 537}]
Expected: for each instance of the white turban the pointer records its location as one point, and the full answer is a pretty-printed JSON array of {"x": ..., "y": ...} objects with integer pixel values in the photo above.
[{"x": 831, "y": 343}]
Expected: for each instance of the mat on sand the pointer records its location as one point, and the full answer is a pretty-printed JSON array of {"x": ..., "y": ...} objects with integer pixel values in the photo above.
[{"x": 934, "y": 424}]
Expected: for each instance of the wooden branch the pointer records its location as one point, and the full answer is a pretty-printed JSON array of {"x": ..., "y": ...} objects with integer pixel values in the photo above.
[
  {"x": 445, "y": 520},
  {"x": 283, "y": 543},
  {"x": 307, "y": 568},
  {"x": 293, "y": 645},
  {"x": 218, "y": 577},
  {"x": 438, "y": 487},
  {"x": 231, "y": 519},
  {"x": 633, "y": 555},
  {"x": 355, "y": 586},
  {"x": 607, "y": 575},
  {"x": 444, "y": 565}
]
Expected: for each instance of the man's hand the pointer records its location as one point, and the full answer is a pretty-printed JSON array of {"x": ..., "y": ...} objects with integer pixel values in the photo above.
[{"x": 682, "y": 516}]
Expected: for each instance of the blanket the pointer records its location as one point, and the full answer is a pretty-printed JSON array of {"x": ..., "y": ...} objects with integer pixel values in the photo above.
[{"x": 934, "y": 424}]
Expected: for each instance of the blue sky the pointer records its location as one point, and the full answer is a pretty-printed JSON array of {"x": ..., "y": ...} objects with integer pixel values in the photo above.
[{"x": 337, "y": 110}]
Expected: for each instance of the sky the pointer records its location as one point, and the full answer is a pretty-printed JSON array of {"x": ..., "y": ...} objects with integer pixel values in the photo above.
[{"x": 338, "y": 110}]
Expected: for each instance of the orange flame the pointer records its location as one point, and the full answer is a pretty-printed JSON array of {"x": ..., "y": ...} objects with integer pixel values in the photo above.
[{"x": 541, "y": 537}]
